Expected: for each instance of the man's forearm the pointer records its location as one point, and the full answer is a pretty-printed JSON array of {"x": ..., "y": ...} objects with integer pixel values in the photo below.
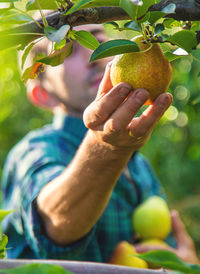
[{"x": 72, "y": 203}]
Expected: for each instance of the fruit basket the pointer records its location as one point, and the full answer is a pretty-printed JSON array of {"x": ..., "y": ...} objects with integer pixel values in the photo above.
[{"x": 81, "y": 267}]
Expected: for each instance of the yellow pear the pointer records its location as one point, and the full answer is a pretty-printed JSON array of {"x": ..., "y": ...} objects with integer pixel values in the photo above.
[
  {"x": 148, "y": 69},
  {"x": 154, "y": 242},
  {"x": 152, "y": 219},
  {"x": 124, "y": 255}
]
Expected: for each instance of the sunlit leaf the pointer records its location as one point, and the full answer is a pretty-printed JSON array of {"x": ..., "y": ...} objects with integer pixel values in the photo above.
[
  {"x": 171, "y": 8},
  {"x": 3, "y": 242},
  {"x": 155, "y": 16},
  {"x": 114, "y": 24},
  {"x": 60, "y": 45},
  {"x": 4, "y": 213},
  {"x": 137, "y": 10},
  {"x": 25, "y": 54},
  {"x": 33, "y": 71},
  {"x": 129, "y": 8},
  {"x": 36, "y": 268},
  {"x": 114, "y": 47},
  {"x": 184, "y": 39},
  {"x": 131, "y": 25},
  {"x": 169, "y": 260},
  {"x": 56, "y": 35},
  {"x": 146, "y": 5},
  {"x": 11, "y": 17},
  {"x": 171, "y": 57},
  {"x": 58, "y": 56},
  {"x": 8, "y": 1},
  {"x": 43, "y": 4},
  {"x": 86, "y": 39},
  {"x": 82, "y": 4}
]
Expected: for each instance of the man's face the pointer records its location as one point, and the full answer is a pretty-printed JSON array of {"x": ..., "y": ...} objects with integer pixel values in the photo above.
[{"x": 80, "y": 77}]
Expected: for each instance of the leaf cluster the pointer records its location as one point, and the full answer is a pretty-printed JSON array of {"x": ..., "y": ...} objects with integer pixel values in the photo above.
[
  {"x": 177, "y": 38},
  {"x": 3, "y": 237},
  {"x": 168, "y": 260}
]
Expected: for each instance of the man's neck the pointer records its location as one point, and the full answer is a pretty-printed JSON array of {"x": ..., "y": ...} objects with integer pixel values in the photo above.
[{"x": 68, "y": 111}]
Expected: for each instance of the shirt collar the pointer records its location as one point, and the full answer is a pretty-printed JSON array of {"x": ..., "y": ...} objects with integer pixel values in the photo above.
[{"x": 70, "y": 125}]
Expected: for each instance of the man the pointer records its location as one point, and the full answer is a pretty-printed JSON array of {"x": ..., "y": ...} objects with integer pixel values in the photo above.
[{"x": 75, "y": 189}]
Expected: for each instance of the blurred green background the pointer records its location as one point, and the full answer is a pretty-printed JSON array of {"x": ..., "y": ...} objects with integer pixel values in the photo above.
[{"x": 173, "y": 150}]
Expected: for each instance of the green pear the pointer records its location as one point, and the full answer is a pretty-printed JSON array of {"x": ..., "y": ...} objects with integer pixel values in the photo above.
[{"x": 152, "y": 219}]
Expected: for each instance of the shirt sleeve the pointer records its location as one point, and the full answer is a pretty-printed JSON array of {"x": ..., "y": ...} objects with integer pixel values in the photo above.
[{"x": 29, "y": 167}]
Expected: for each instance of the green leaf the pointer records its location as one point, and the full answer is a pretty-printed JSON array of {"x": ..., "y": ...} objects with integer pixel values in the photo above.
[
  {"x": 25, "y": 54},
  {"x": 4, "y": 213},
  {"x": 8, "y": 1},
  {"x": 144, "y": 18},
  {"x": 114, "y": 47},
  {"x": 131, "y": 25},
  {"x": 146, "y": 5},
  {"x": 36, "y": 268},
  {"x": 171, "y": 8},
  {"x": 169, "y": 23},
  {"x": 171, "y": 57},
  {"x": 56, "y": 35},
  {"x": 114, "y": 24},
  {"x": 60, "y": 45},
  {"x": 3, "y": 241},
  {"x": 184, "y": 39},
  {"x": 129, "y": 8},
  {"x": 58, "y": 56},
  {"x": 195, "y": 54},
  {"x": 86, "y": 39},
  {"x": 155, "y": 16},
  {"x": 11, "y": 17},
  {"x": 44, "y": 4},
  {"x": 83, "y": 4},
  {"x": 167, "y": 259},
  {"x": 136, "y": 9},
  {"x": 159, "y": 28},
  {"x": 33, "y": 71}
]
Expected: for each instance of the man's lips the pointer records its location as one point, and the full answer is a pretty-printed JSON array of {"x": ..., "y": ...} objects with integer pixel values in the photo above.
[{"x": 96, "y": 80}]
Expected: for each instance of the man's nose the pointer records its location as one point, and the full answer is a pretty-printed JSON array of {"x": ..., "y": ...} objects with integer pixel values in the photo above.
[{"x": 87, "y": 54}]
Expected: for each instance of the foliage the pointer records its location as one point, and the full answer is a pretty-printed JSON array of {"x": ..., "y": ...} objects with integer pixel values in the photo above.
[
  {"x": 17, "y": 115},
  {"x": 154, "y": 26},
  {"x": 3, "y": 237},
  {"x": 174, "y": 149},
  {"x": 169, "y": 260},
  {"x": 36, "y": 268}
]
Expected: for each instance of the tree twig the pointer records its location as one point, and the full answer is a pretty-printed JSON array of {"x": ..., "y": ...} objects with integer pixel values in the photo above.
[{"x": 185, "y": 10}]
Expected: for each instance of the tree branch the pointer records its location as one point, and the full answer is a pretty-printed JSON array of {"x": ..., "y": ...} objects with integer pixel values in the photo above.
[{"x": 185, "y": 10}]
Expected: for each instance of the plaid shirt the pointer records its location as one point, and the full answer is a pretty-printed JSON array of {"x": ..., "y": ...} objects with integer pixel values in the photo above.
[{"x": 40, "y": 157}]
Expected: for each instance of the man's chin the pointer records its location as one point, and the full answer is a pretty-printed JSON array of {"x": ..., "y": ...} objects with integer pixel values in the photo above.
[{"x": 93, "y": 92}]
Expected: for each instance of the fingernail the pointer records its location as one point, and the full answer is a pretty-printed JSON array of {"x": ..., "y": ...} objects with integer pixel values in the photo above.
[
  {"x": 164, "y": 100},
  {"x": 124, "y": 91},
  {"x": 141, "y": 95}
]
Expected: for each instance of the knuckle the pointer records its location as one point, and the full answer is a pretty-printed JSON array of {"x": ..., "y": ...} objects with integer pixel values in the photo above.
[
  {"x": 112, "y": 126},
  {"x": 123, "y": 89},
  {"x": 94, "y": 115},
  {"x": 140, "y": 133}
]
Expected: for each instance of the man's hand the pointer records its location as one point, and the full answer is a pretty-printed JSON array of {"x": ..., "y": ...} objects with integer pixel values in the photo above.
[
  {"x": 185, "y": 246},
  {"x": 111, "y": 116}
]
